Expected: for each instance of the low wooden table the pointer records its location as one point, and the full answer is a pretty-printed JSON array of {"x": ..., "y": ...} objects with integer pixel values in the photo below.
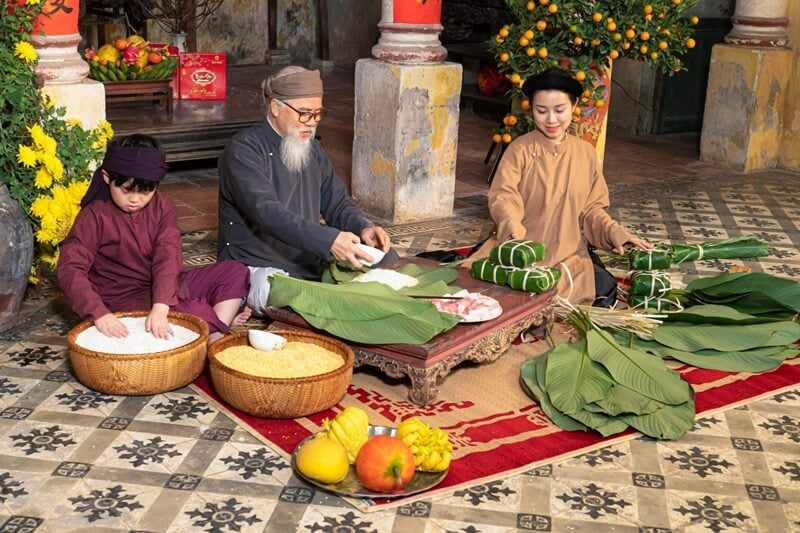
[
  {"x": 155, "y": 91},
  {"x": 425, "y": 363}
]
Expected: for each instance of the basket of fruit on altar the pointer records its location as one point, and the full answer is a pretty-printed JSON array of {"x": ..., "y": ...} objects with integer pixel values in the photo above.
[
  {"x": 282, "y": 373},
  {"x": 139, "y": 363},
  {"x": 353, "y": 458},
  {"x": 130, "y": 59}
]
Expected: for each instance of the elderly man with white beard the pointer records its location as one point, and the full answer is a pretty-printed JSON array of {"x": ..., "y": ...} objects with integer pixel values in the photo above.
[{"x": 275, "y": 182}]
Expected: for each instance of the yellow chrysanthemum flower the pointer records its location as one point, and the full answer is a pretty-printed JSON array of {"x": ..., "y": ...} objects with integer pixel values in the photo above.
[
  {"x": 77, "y": 190},
  {"x": 25, "y": 50},
  {"x": 51, "y": 259},
  {"x": 54, "y": 166},
  {"x": 74, "y": 122},
  {"x": 26, "y": 156},
  {"x": 33, "y": 2},
  {"x": 42, "y": 140},
  {"x": 43, "y": 178},
  {"x": 37, "y": 134},
  {"x": 49, "y": 145},
  {"x": 40, "y": 206}
]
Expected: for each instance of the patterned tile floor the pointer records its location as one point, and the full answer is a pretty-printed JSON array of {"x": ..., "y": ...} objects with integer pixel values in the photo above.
[{"x": 75, "y": 460}]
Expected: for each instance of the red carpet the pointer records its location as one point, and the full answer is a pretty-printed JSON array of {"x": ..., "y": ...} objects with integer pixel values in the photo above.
[{"x": 495, "y": 428}]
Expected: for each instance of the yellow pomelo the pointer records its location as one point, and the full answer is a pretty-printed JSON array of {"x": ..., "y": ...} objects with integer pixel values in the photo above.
[{"x": 323, "y": 460}]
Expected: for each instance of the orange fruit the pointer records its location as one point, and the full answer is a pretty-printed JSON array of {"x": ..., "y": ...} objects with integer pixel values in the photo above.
[
  {"x": 503, "y": 32},
  {"x": 524, "y": 42},
  {"x": 630, "y": 34},
  {"x": 511, "y": 120},
  {"x": 497, "y": 138},
  {"x": 599, "y": 103},
  {"x": 525, "y": 104},
  {"x": 544, "y": 2},
  {"x": 580, "y": 75},
  {"x": 121, "y": 44},
  {"x": 515, "y": 78},
  {"x": 597, "y": 17},
  {"x": 542, "y": 52},
  {"x": 576, "y": 111},
  {"x": 499, "y": 40},
  {"x": 154, "y": 58},
  {"x": 506, "y": 138},
  {"x": 653, "y": 55},
  {"x": 625, "y": 45},
  {"x": 611, "y": 26},
  {"x": 676, "y": 2},
  {"x": 529, "y": 34},
  {"x": 617, "y": 37},
  {"x": 648, "y": 18},
  {"x": 644, "y": 36},
  {"x": 504, "y": 57},
  {"x": 578, "y": 40},
  {"x": 531, "y": 51},
  {"x": 694, "y": 20},
  {"x": 648, "y": 9},
  {"x": 530, "y": 6},
  {"x": 613, "y": 54},
  {"x": 586, "y": 93},
  {"x": 541, "y": 25},
  {"x": 690, "y": 43},
  {"x": 595, "y": 42},
  {"x": 553, "y": 8},
  {"x": 643, "y": 49},
  {"x": 662, "y": 45}
]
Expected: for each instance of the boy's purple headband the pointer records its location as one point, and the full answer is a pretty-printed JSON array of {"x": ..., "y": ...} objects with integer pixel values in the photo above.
[{"x": 139, "y": 162}]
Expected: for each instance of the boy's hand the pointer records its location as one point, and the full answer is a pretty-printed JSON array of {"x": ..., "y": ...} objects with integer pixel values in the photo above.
[
  {"x": 110, "y": 326},
  {"x": 157, "y": 322}
]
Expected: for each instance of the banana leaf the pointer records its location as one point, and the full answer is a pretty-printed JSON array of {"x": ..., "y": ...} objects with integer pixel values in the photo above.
[
  {"x": 621, "y": 400},
  {"x": 655, "y": 259},
  {"x": 671, "y": 422},
  {"x": 637, "y": 370},
  {"x": 432, "y": 281},
  {"x": 726, "y": 338},
  {"x": 518, "y": 253},
  {"x": 485, "y": 270},
  {"x": 573, "y": 379},
  {"x": 534, "y": 279},
  {"x": 367, "y": 313},
  {"x": 532, "y": 376},
  {"x": 717, "y": 314},
  {"x": 748, "y": 292},
  {"x": 753, "y": 361},
  {"x": 604, "y": 424}
]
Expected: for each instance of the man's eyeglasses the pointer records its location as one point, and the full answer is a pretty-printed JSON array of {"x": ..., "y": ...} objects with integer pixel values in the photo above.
[{"x": 306, "y": 116}]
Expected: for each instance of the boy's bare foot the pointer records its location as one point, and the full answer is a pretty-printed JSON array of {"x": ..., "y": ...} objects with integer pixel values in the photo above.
[
  {"x": 214, "y": 337},
  {"x": 242, "y": 317}
]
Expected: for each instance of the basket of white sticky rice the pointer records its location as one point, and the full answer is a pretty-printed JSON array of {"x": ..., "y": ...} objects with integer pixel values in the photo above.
[
  {"x": 140, "y": 363},
  {"x": 309, "y": 374}
]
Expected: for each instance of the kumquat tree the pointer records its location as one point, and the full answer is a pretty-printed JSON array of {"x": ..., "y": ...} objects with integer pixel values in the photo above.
[{"x": 583, "y": 37}]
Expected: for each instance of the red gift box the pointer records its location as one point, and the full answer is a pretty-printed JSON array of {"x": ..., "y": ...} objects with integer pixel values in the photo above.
[
  {"x": 172, "y": 51},
  {"x": 203, "y": 76}
]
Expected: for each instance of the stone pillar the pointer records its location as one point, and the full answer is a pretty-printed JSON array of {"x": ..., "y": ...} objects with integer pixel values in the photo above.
[
  {"x": 406, "y": 118},
  {"x": 748, "y": 80},
  {"x": 61, "y": 69},
  {"x": 759, "y": 23}
]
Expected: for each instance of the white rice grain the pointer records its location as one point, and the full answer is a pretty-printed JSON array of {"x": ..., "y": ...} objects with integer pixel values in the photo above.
[
  {"x": 393, "y": 279},
  {"x": 138, "y": 340}
]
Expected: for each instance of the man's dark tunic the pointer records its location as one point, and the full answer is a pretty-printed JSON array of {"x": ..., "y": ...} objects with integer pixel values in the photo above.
[{"x": 269, "y": 216}]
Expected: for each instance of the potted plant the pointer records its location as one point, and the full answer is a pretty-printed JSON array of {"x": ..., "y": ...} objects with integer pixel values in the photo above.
[
  {"x": 179, "y": 18},
  {"x": 584, "y": 37},
  {"x": 46, "y": 159}
]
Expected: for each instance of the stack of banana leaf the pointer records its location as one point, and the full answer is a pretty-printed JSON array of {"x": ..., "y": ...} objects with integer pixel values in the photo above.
[
  {"x": 665, "y": 255},
  {"x": 597, "y": 383},
  {"x": 371, "y": 312}
]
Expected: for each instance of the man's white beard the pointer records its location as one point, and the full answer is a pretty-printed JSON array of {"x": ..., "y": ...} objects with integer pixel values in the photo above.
[{"x": 295, "y": 152}]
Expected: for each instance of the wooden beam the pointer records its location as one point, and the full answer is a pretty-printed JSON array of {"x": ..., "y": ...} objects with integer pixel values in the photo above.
[
  {"x": 323, "y": 46},
  {"x": 191, "y": 29},
  {"x": 272, "y": 24}
]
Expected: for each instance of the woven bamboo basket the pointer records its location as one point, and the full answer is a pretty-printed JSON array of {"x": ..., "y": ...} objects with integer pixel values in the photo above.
[
  {"x": 141, "y": 374},
  {"x": 281, "y": 397}
]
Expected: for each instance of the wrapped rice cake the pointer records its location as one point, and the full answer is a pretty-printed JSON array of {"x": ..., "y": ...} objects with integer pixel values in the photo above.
[
  {"x": 650, "y": 283},
  {"x": 536, "y": 280},
  {"x": 485, "y": 270},
  {"x": 517, "y": 253},
  {"x": 652, "y": 304}
]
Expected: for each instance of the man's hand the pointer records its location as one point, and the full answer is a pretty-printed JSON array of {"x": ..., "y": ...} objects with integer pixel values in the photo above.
[
  {"x": 344, "y": 249},
  {"x": 110, "y": 326},
  {"x": 637, "y": 242},
  {"x": 157, "y": 322},
  {"x": 376, "y": 237}
]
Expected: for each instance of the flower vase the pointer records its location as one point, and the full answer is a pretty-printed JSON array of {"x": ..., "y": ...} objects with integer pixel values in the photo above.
[
  {"x": 592, "y": 122},
  {"x": 16, "y": 257},
  {"x": 178, "y": 40}
]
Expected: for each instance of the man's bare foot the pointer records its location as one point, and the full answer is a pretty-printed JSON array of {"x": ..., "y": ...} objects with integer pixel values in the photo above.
[
  {"x": 242, "y": 317},
  {"x": 214, "y": 337}
]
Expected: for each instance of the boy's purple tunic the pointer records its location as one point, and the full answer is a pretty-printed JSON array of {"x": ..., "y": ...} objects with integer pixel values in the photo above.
[{"x": 112, "y": 261}]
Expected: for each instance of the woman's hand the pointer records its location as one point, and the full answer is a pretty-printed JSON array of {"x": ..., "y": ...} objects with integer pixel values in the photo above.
[
  {"x": 376, "y": 237},
  {"x": 110, "y": 326},
  {"x": 637, "y": 242},
  {"x": 157, "y": 323}
]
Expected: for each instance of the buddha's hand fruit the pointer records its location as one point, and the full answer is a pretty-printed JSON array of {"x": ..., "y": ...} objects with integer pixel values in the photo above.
[
  {"x": 322, "y": 459},
  {"x": 384, "y": 464},
  {"x": 350, "y": 429},
  {"x": 431, "y": 446}
]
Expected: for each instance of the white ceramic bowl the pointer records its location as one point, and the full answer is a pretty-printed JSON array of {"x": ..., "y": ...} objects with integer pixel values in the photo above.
[
  {"x": 377, "y": 255},
  {"x": 264, "y": 340}
]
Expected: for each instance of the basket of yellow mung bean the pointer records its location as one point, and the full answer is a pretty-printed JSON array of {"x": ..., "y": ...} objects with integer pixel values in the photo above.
[{"x": 308, "y": 375}]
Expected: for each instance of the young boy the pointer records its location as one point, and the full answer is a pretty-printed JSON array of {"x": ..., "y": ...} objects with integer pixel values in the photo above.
[{"x": 124, "y": 252}]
